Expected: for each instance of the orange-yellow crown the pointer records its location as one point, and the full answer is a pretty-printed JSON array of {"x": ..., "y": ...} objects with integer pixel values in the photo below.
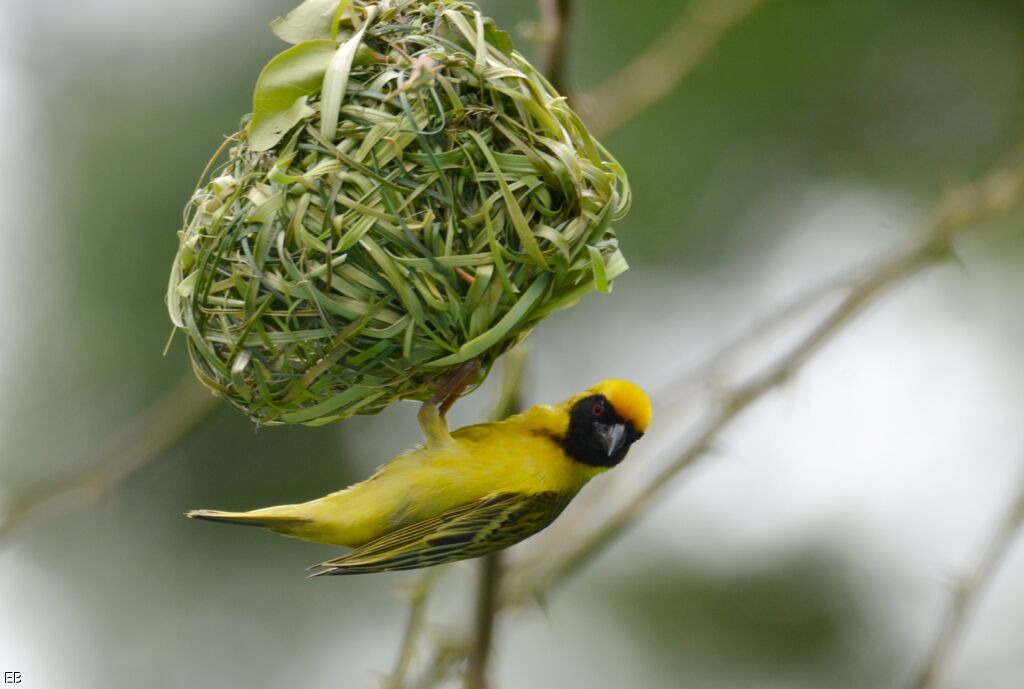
[{"x": 629, "y": 401}]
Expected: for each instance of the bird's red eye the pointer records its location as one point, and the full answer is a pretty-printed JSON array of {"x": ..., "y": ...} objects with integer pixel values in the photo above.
[{"x": 598, "y": 409}]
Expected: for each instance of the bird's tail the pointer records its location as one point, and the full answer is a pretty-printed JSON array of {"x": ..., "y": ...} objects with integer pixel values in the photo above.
[{"x": 268, "y": 518}]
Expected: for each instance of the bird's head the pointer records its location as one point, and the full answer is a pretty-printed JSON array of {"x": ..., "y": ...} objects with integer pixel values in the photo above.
[{"x": 604, "y": 421}]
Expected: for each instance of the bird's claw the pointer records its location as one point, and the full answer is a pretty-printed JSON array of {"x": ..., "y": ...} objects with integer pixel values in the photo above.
[{"x": 453, "y": 386}]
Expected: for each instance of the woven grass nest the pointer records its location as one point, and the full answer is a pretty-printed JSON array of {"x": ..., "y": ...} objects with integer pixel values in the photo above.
[{"x": 408, "y": 194}]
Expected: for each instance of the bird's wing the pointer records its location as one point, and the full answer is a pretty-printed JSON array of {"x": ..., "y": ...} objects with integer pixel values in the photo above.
[{"x": 463, "y": 532}]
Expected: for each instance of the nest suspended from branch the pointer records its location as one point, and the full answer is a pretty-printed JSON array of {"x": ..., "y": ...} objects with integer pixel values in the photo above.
[{"x": 408, "y": 194}]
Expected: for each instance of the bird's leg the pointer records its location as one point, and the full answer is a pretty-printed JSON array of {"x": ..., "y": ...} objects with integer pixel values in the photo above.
[
  {"x": 453, "y": 388},
  {"x": 432, "y": 414}
]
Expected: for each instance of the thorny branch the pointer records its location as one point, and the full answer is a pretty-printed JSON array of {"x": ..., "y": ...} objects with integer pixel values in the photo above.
[
  {"x": 970, "y": 589},
  {"x": 417, "y": 594},
  {"x": 488, "y": 591}
]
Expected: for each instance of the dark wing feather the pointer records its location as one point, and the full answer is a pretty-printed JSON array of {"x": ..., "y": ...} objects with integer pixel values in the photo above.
[{"x": 468, "y": 531}]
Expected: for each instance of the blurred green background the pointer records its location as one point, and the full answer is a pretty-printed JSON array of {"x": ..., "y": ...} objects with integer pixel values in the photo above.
[{"x": 814, "y": 549}]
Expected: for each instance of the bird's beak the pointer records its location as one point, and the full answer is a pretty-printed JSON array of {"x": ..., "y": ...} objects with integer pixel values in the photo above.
[{"x": 611, "y": 436}]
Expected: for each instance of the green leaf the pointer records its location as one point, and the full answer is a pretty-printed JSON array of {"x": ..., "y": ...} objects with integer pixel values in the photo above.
[
  {"x": 496, "y": 37},
  {"x": 597, "y": 265},
  {"x": 186, "y": 287},
  {"x": 335, "y": 82},
  {"x": 517, "y": 313},
  {"x": 279, "y": 102},
  {"x": 519, "y": 222},
  {"x": 308, "y": 22}
]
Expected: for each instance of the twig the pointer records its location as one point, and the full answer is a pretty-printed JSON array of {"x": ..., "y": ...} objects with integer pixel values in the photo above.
[
  {"x": 970, "y": 589},
  {"x": 444, "y": 659},
  {"x": 756, "y": 334},
  {"x": 418, "y": 595},
  {"x": 555, "y": 29},
  {"x": 657, "y": 71},
  {"x": 149, "y": 434},
  {"x": 488, "y": 587},
  {"x": 964, "y": 208}
]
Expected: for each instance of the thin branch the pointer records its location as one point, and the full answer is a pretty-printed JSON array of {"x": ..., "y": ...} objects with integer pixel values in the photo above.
[
  {"x": 145, "y": 437},
  {"x": 488, "y": 587},
  {"x": 491, "y": 566},
  {"x": 446, "y": 656},
  {"x": 555, "y": 15},
  {"x": 656, "y": 72},
  {"x": 969, "y": 591},
  {"x": 753, "y": 337},
  {"x": 418, "y": 594},
  {"x": 965, "y": 208}
]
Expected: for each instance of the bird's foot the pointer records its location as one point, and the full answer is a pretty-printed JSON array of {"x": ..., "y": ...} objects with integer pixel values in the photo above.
[
  {"x": 432, "y": 414},
  {"x": 454, "y": 385}
]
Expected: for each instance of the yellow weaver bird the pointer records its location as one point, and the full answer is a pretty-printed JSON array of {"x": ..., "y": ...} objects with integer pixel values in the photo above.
[{"x": 469, "y": 493}]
